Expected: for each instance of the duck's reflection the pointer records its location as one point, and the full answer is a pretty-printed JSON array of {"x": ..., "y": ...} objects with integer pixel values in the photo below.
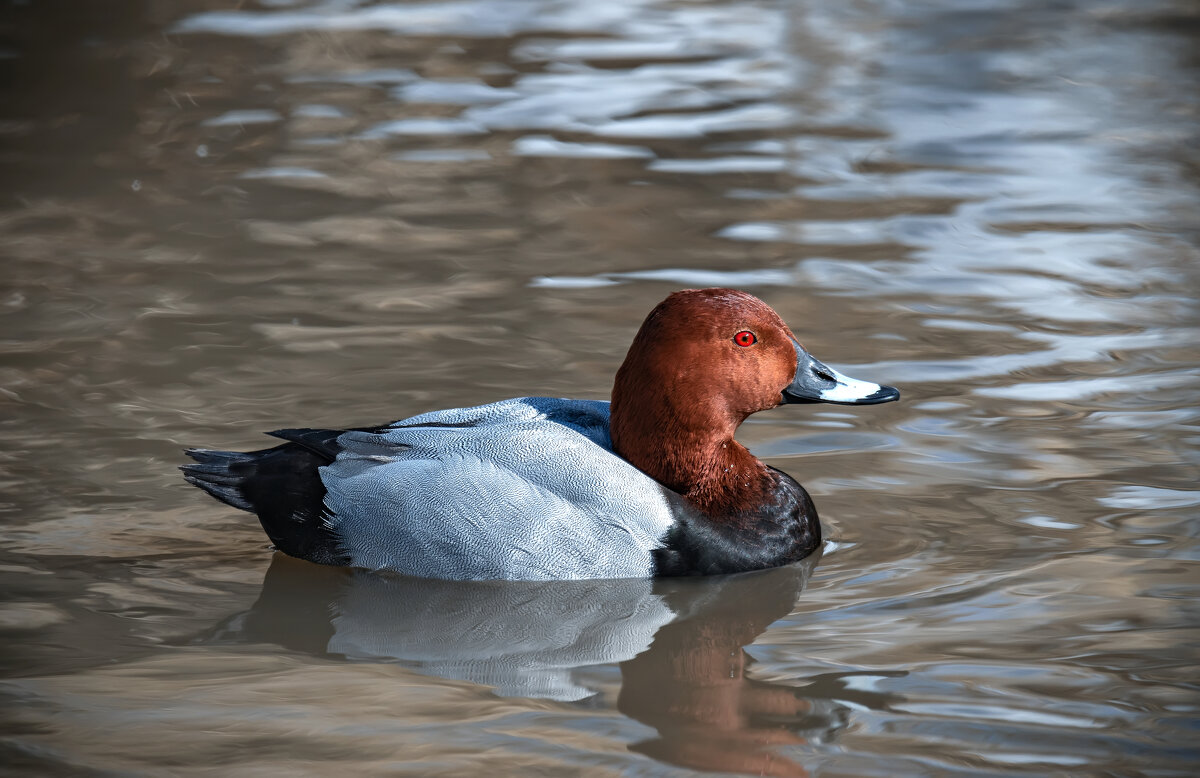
[
  {"x": 678, "y": 644},
  {"x": 692, "y": 684}
]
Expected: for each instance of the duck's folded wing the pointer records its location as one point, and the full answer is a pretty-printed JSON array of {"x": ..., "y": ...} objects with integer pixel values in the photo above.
[{"x": 526, "y": 499}]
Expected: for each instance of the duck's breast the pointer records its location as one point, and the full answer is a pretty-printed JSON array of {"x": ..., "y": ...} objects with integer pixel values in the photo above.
[{"x": 522, "y": 489}]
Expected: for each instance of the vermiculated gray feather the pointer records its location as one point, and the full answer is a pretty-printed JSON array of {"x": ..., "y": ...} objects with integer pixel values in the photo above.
[{"x": 527, "y": 488}]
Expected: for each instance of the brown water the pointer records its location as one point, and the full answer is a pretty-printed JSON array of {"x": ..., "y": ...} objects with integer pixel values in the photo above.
[{"x": 217, "y": 222}]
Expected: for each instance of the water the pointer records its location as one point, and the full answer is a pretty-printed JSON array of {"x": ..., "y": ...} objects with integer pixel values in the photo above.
[{"x": 217, "y": 222}]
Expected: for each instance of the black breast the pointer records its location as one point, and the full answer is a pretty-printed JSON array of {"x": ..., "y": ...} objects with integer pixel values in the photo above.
[{"x": 782, "y": 530}]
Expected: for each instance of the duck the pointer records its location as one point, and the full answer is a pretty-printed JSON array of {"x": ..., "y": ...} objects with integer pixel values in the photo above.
[{"x": 650, "y": 484}]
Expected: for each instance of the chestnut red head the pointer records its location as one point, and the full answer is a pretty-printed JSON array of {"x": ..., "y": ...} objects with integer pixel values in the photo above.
[{"x": 704, "y": 360}]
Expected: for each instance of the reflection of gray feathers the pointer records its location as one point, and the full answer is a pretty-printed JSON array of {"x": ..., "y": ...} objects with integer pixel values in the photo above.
[
  {"x": 527, "y": 640},
  {"x": 521, "y": 489},
  {"x": 548, "y": 639}
]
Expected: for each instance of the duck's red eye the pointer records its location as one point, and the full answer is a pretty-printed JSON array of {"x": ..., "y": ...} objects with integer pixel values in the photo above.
[{"x": 745, "y": 338}]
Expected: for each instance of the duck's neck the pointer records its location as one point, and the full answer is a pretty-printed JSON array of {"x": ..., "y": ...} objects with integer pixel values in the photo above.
[{"x": 697, "y": 458}]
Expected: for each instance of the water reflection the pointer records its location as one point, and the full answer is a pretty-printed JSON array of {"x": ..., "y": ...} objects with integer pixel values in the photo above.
[
  {"x": 679, "y": 644},
  {"x": 696, "y": 687},
  {"x": 522, "y": 638}
]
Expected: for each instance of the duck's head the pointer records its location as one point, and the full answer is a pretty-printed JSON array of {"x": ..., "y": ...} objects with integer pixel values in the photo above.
[{"x": 703, "y": 361}]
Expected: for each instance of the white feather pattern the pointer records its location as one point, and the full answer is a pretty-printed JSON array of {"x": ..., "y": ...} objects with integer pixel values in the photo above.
[{"x": 524, "y": 489}]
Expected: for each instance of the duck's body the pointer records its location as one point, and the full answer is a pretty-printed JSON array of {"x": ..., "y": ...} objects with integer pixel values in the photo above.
[
  {"x": 496, "y": 498},
  {"x": 535, "y": 489}
]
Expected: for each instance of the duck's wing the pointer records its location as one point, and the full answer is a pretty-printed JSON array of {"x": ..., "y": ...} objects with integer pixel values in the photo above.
[{"x": 523, "y": 489}]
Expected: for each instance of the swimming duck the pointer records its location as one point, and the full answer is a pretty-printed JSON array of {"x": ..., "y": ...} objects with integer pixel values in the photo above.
[{"x": 539, "y": 488}]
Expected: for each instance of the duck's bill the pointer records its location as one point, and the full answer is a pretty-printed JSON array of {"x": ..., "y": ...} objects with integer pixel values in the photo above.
[{"x": 816, "y": 382}]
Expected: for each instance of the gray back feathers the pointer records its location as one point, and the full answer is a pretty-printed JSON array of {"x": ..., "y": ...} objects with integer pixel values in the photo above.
[{"x": 521, "y": 489}]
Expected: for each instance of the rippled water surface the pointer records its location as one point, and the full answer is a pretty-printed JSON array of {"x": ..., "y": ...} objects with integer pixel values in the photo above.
[{"x": 224, "y": 218}]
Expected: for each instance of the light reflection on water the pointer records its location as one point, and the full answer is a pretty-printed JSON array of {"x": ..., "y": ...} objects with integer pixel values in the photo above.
[{"x": 225, "y": 221}]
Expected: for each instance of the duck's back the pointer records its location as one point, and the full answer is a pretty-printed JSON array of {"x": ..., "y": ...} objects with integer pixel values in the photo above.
[{"x": 521, "y": 489}]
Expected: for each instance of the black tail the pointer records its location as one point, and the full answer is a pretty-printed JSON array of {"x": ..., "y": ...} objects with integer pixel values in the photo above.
[
  {"x": 221, "y": 474},
  {"x": 282, "y": 485}
]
